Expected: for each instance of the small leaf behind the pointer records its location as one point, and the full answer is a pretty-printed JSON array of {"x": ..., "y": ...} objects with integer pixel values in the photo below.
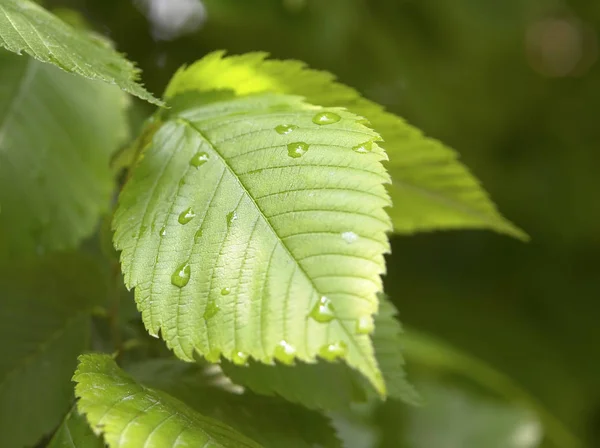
[
  {"x": 334, "y": 386},
  {"x": 74, "y": 432},
  {"x": 430, "y": 188}
]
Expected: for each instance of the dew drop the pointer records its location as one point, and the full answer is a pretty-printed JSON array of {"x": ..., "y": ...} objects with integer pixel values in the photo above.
[
  {"x": 198, "y": 234},
  {"x": 163, "y": 231},
  {"x": 333, "y": 351},
  {"x": 363, "y": 148},
  {"x": 365, "y": 325},
  {"x": 225, "y": 291},
  {"x": 323, "y": 310},
  {"x": 323, "y": 118},
  {"x": 181, "y": 276},
  {"x": 349, "y": 237},
  {"x": 143, "y": 230},
  {"x": 199, "y": 159},
  {"x": 285, "y": 352},
  {"x": 231, "y": 217},
  {"x": 239, "y": 358},
  {"x": 297, "y": 149},
  {"x": 284, "y": 129},
  {"x": 211, "y": 309},
  {"x": 182, "y": 182},
  {"x": 186, "y": 216}
]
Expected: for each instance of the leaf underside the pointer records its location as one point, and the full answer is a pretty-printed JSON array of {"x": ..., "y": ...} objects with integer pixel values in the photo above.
[
  {"x": 329, "y": 386},
  {"x": 430, "y": 188},
  {"x": 57, "y": 133},
  {"x": 27, "y": 27},
  {"x": 233, "y": 232},
  {"x": 130, "y": 415}
]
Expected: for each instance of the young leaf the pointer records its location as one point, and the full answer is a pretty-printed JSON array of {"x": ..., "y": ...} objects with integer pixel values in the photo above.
[
  {"x": 26, "y": 26},
  {"x": 130, "y": 415},
  {"x": 251, "y": 228},
  {"x": 74, "y": 432},
  {"x": 57, "y": 133},
  {"x": 270, "y": 421},
  {"x": 45, "y": 311},
  {"x": 430, "y": 188},
  {"x": 334, "y": 386}
]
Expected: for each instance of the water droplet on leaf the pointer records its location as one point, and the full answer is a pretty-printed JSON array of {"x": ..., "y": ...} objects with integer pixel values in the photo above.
[
  {"x": 363, "y": 148},
  {"x": 231, "y": 217},
  {"x": 225, "y": 291},
  {"x": 323, "y": 310},
  {"x": 333, "y": 351},
  {"x": 297, "y": 149},
  {"x": 285, "y": 352},
  {"x": 285, "y": 129},
  {"x": 186, "y": 216},
  {"x": 163, "y": 231},
  {"x": 211, "y": 309},
  {"x": 198, "y": 234},
  {"x": 239, "y": 358},
  {"x": 199, "y": 159},
  {"x": 349, "y": 237},
  {"x": 365, "y": 325},
  {"x": 323, "y": 118},
  {"x": 181, "y": 276}
]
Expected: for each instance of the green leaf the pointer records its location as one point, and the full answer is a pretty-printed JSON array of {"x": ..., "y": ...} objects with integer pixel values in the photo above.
[
  {"x": 45, "y": 311},
  {"x": 334, "y": 386},
  {"x": 389, "y": 349},
  {"x": 453, "y": 418},
  {"x": 26, "y": 26},
  {"x": 244, "y": 239},
  {"x": 57, "y": 133},
  {"x": 322, "y": 386},
  {"x": 457, "y": 418},
  {"x": 74, "y": 432},
  {"x": 130, "y": 415},
  {"x": 430, "y": 190},
  {"x": 270, "y": 421},
  {"x": 432, "y": 354}
]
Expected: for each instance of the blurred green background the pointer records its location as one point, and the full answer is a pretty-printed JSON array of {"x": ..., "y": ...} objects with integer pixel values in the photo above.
[{"x": 514, "y": 86}]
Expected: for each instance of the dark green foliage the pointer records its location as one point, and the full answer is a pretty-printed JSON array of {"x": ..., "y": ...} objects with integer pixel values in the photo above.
[{"x": 253, "y": 219}]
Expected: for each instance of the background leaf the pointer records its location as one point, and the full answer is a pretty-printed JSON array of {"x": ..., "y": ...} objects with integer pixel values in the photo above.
[
  {"x": 26, "y": 26},
  {"x": 430, "y": 188},
  {"x": 251, "y": 231},
  {"x": 57, "y": 134},
  {"x": 45, "y": 315},
  {"x": 131, "y": 415},
  {"x": 74, "y": 432}
]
